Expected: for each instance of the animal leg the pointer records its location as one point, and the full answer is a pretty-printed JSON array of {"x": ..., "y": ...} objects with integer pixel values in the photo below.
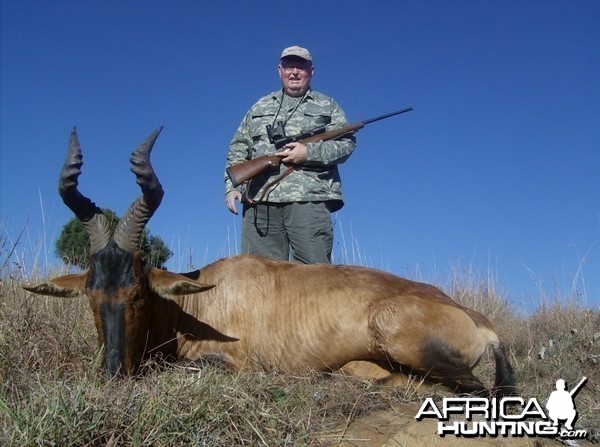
[
  {"x": 435, "y": 342},
  {"x": 437, "y": 361},
  {"x": 447, "y": 365}
]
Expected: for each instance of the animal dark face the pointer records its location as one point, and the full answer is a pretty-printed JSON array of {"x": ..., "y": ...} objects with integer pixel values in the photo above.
[{"x": 117, "y": 286}]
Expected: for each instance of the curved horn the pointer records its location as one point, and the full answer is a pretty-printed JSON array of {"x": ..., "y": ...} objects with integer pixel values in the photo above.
[
  {"x": 130, "y": 227},
  {"x": 92, "y": 218}
]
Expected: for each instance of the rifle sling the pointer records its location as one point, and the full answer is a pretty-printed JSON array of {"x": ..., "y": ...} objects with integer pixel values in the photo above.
[{"x": 270, "y": 185}]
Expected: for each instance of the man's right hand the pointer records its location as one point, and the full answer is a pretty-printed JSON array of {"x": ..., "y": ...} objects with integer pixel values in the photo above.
[{"x": 230, "y": 198}]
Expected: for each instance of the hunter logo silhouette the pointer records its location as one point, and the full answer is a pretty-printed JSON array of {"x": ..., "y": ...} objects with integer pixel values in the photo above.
[
  {"x": 506, "y": 415},
  {"x": 561, "y": 405}
]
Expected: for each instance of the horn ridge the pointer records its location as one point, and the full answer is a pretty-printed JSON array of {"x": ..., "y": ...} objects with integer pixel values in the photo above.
[
  {"x": 129, "y": 230},
  {"x": 142, "y": 168},
  {"x": 92, "y": 217}
]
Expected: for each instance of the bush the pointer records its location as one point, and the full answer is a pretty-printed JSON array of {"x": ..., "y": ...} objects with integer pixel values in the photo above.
[{"x": 73, "y": 244}]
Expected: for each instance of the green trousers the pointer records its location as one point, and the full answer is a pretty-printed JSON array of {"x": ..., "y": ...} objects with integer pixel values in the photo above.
[{"x": 301, "y": 231}]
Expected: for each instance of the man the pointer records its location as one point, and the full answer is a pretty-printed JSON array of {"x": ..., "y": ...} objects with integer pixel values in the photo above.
[{"x": 295, "y": 212}]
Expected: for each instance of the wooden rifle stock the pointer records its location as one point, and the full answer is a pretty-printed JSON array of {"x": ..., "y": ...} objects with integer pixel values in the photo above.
[
  {"x": 242, "y": 172},
  {"x": 247, "y": 170}
]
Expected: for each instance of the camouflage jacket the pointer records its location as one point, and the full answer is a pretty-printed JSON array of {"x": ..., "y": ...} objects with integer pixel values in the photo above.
[{"x": 318, "y": 179}]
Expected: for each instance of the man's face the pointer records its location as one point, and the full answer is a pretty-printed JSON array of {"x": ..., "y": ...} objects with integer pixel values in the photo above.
[{"x": 295, "y": 74}]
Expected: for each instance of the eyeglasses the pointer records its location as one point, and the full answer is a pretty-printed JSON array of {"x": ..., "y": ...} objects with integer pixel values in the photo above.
[{"x": 289, "y": 68}]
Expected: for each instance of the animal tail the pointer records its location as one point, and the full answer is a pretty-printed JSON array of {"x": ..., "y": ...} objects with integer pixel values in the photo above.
[{"x": 505, "y": 383}]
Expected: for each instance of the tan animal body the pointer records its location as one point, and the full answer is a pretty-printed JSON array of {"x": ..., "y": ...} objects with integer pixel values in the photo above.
[{"x": 257, "y": 312}]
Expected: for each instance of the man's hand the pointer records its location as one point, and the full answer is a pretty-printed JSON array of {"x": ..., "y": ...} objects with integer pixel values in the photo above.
[
  {"x": 230, "y": 198},
  {"x": 293, "y": 153}
]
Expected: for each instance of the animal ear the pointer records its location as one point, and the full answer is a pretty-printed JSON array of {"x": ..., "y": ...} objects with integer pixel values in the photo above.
[
  {"x": 173, "y": 284},
  {"x": 67, "y": 286}
]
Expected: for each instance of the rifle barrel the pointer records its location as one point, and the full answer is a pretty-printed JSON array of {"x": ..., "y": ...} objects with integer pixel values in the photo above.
[
  {"x": 387, "y": 115},
  {"x": 576, "y": 388}
]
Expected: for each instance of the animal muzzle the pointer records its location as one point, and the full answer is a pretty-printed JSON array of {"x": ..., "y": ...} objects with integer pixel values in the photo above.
[{"x": 113, "y": 327}]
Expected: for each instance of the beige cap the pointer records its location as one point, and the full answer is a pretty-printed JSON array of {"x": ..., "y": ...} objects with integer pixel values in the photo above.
[{"x": 296, "y": 51}]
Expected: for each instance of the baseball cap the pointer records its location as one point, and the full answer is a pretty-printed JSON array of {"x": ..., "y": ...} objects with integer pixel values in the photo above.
[{"x": 298, "y": 52}]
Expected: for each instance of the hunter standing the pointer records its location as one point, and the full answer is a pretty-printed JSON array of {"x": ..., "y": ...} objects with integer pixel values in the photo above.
[{"x": 293, "y": 215}]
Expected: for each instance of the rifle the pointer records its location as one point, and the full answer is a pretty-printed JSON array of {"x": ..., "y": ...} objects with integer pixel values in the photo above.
[
  {"x": 247, "y": 170},
  {"x": 576, "y": 388}
]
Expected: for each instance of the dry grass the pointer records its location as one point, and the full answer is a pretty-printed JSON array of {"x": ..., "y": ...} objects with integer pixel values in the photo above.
[
  {"x": 558, "y": 340},
  {"x": 51, "y": 392}
]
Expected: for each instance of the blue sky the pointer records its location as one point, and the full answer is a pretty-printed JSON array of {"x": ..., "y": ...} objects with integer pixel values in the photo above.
[{"x": 495, "y": 171}]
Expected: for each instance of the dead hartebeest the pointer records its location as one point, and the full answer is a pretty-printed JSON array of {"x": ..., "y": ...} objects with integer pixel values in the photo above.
[{"x": 251, "y": 311}]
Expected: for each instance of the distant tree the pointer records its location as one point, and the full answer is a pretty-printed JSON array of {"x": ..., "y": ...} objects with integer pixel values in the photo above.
[
  {"x": 154, "y": 250},
  {"x": 73, "y": 244}
]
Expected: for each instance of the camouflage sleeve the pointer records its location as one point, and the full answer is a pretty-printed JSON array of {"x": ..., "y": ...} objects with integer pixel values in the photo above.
[
  {"x": 239, "y": 149},
  {"x": 327, "y": 153}
]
